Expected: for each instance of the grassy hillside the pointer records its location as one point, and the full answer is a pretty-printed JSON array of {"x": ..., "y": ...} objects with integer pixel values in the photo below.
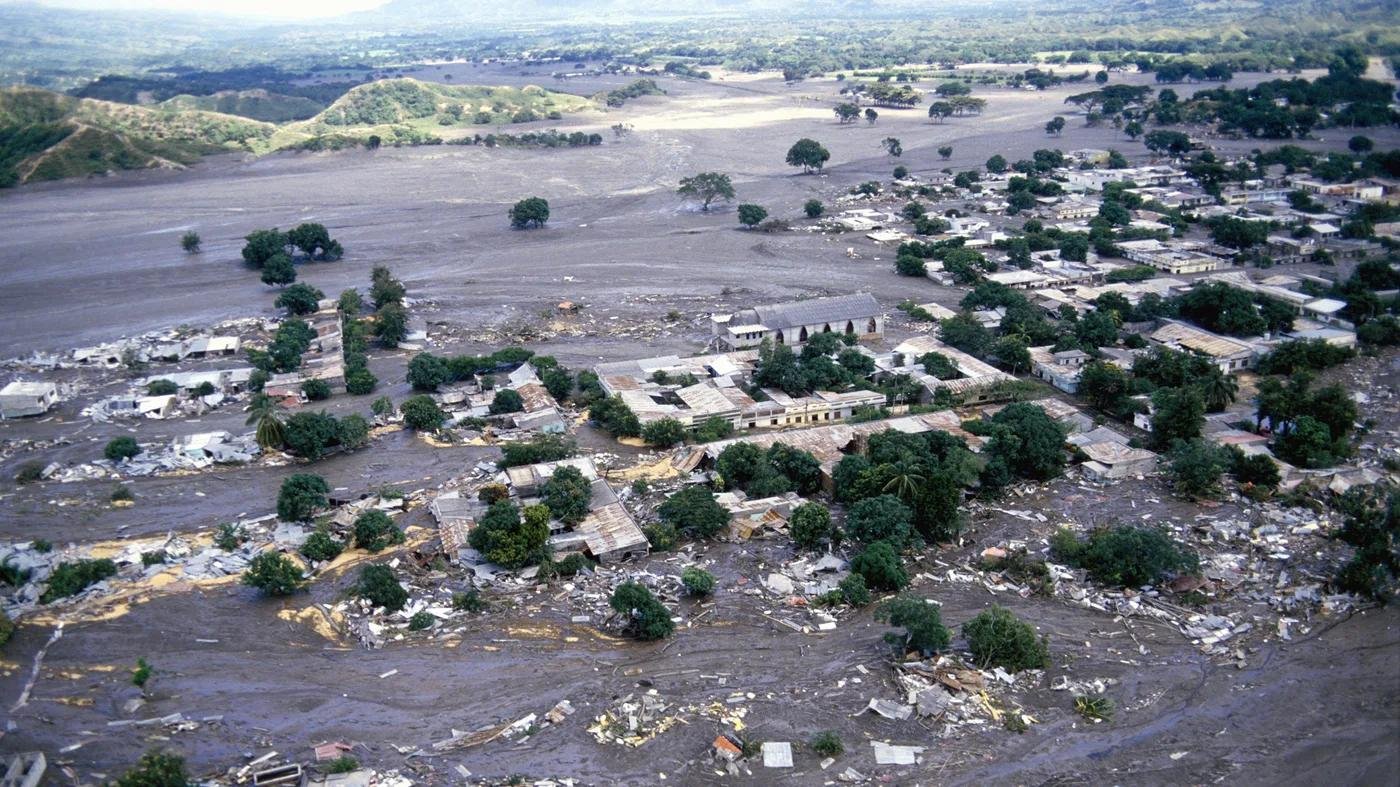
[
  {"x": 253, "y": 104},
  {"x": 47, "y": 136}
]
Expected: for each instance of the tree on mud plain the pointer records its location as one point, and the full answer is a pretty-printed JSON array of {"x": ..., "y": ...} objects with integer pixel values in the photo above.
[
  {"x": 945, "y": 152},
  {"x": 647, "y": 618},
  {"x": 273, "y": 574},
  {"x": 808, "y": 154},
  {"x": 813, "y": 208},
  {"x": 301, "y": 495},
  {"x": 1055, "y": 126},
  {"x": 707, "y": 187},
  {"x": 528, "y": 213},
  {"x": 846, "y": 113},
  {"x": 278, "y": 270},
  {"x": 892, "y": 147},
  {"x": 190, "y": 242},
  {"x": 751, "y": 215},
  {"x": 871, "y": 115}
]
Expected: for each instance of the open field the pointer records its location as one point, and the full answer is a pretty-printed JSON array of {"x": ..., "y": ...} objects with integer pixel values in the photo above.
[{"x": 88, "y": 261}]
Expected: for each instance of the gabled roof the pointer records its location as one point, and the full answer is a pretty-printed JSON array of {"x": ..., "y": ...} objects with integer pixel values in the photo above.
[{"x": 778, "y": 316}]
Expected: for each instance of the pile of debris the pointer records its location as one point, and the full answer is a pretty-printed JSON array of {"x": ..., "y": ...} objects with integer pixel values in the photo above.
[
  {"x": 183, "y": 455},
  {"x": 634, "y": 720}
]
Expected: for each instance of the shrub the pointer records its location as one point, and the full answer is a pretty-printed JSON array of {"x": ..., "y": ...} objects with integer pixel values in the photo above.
[
  {"x": 153, "y": 557},
  {"x": 342, "y": 764},
  {"x": 813, "y": 208},
  {"x": 853, "y": 590},
  {"x": 302, "y": 495},
  {"x": 29, "y": 472},
  {"x": 156, "y": 769},
  {"x": 422, "y": 413},
  {"x": 646, "y": 617},
  {"x": 1126, "y": 555},
  {"x": 274, "y": 574},
  {"x": 469, "y": 600},
  {"x": 121, "y": 448},
  {"x": 70, "y": 579},
  {"x": 567, "y": 567},
  {"x": 1095, "y": 709},
  {"x": 142, "y": 674},
  {"x": 41, "y": 545},
  {"x": 374, "y": 530},
  {"x": 162, "y": 388},
  {"x": 879, "y": 566},
  {"x": 359, "y": 381},
  {"x": 420, "y": 621},
  {"x": 998, "y": 638},
  {"x": 542, "y": 448},
  {"x": 810, "y": 526},
  {"x": 378, "y": 585},
  {"x": 694, "y": 511},
  {"x": 229, "y": 537},
  {"x": 923, "y": 626},
  {"x": 827, "y": 744},
  {"x": 382, "y": 406},
  {"x": 121, "y": 494},
  {"x": 321, "y": 546},
  {"x": 698, "y": 581},
  {"x": 1196, "y": 467}
]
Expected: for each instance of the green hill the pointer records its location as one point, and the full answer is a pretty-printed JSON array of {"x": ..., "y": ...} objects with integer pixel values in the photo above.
[
  {"x": 47, "y": 136},
  {"x": 254, "y": 104}
]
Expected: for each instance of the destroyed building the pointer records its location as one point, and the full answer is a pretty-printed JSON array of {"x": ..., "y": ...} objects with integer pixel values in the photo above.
[
  {"x": 324, "y": 360},
  {"x": 20, "y": 399}
]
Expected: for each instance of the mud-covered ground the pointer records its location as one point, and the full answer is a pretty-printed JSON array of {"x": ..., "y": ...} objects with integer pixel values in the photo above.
[{"x": 88, "y": 262}]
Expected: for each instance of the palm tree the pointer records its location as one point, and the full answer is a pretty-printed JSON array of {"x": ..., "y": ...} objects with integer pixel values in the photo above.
[
  {"x": 264, "y": 411},
  {"x": 904, "y": 484},
  {"x": 1219, "y": 389}
]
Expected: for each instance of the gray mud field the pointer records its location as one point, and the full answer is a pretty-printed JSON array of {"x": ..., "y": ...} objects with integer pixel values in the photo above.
[{"x": 91, "y": 261}]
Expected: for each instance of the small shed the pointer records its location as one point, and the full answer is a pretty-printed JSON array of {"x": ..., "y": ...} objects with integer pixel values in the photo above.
[{"x": 20, "y": 399}]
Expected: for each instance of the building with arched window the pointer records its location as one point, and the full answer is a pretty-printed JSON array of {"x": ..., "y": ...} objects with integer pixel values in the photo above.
[{"x": 794, "y": 323}]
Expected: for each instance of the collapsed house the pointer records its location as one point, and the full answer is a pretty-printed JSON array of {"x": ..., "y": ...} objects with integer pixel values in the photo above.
[
  {"x": 608, "y": 534},
  {"x": 693, "y": 390},
  {"x": 977, "y": 382},
  {"x": 793, "y": 323},
  {"x": 323, "y": 360},
  {"x": 21, "y": 399},
  {"x": 1109, "y": 456}
]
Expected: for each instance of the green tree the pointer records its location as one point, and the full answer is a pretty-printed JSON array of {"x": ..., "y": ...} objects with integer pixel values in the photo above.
[
  {"x": 427, "y": 371},
  {"x": 1196, "y": 467},
  {"x": 613, "y": 416},
  {"x": 846, "y": 112},
  {"x": 375, "y": 531},
  {"x": 707, "y": 187},
  {"x": 878, "y": 564},
  {"x": 273, "y": 574},
  {"x": 813, "y": 208},
  {"x": 299, "y": 299},
  {"x": 892, "y": 147},
  {"x": 321, "y": 546},
  {"x": 647, "y": 618},
  {"x": 1011, "y": 352},
  {"x": 1055, "y": 126},
  {"x": 1127, "y": 555},
  {"x": 808, "y": 154},
  {"x": 1218, "y": 389},
  {"x": 381, "y": 588},
  {"x": 422, "y": 413},
  {"x": 1177, "y": 414},
  {"x": 266, "y": 413},
  {"x": 1104, "y": 385},
  {"x": 750, "y": 215},
  {"x": 880, "y": 518},
  {"x": 310, "y": 435},
  {"x": 509, "y": 539},
  {"x": 391, "y": 324},
  {"x": 190, "y": 242},
  {"x": 314, "y": 241},
  {"x": 663, "y": 433},
  {"x": 119, "y": 448},
  {"x": 302, "y": 495},
  {"x": 694, "y": 511},
  {"x": 810, "y": 526},
  {"x": 156, "y": 769},
  {"x": 997, "y": 638},
  {"x": 946, "y": 151},
  {"x": 506, "y": 401},
  {"x": 529, "y": 212},
  {"x": 278, "y": 270},
  {"x": 567, "y": 494},
  {"x": 923, "y": 625},
  {"x": 262, "y": 245},
  {"x": 997, "y": 164},
  {"x": 1027, "y": 440}
]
